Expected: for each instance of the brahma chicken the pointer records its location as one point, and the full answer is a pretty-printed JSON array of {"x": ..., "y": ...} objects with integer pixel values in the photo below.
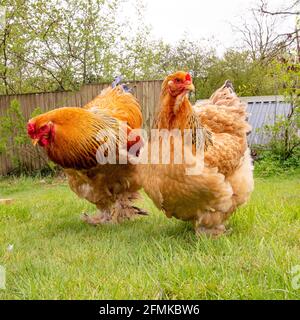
[
  {"x": 82, "y": 139},
  {"x": 225, "y": 180}
]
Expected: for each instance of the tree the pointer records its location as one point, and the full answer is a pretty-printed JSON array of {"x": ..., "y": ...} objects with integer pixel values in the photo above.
[
  {"x": 140, "y": 57},
  {"x": 13, "y": 42},
  {"x": 260, "y": 36},
  {"x": 48, "y": 45},
  {"x": 284, "y": 134},
  {"x": 249, "y": 77},
  {"x": 291, "y": 9},
  {"x": 70, "y": 44},
  {"x": 16, "y": 144}
]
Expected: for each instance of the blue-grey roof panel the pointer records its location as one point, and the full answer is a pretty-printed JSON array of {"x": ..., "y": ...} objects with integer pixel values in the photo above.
[{"x": 262, "y": 113}]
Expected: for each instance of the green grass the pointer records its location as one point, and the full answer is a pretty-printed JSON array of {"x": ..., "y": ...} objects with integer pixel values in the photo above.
[{"x": 57, "y": 256}]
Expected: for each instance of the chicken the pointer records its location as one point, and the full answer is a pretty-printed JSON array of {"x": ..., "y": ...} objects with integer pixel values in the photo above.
[
  {"x": 87, "y": 143},
  {"x": 223, "y": 179}
]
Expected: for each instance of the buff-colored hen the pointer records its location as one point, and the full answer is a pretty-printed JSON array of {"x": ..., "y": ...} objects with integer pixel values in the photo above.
[{"x": 225, "y": 180}]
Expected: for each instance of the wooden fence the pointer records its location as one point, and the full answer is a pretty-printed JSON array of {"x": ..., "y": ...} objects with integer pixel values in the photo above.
[
  {"x": 262, "y": 110},
  {"x": 147, "y": 93}
]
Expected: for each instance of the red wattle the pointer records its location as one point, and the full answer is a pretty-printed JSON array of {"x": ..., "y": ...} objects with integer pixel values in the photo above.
[{"x": 30, "y": 129}]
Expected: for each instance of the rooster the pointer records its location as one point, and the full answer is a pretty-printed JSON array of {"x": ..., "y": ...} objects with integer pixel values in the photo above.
[
  {"x": 225, "y": 182},
  {"x": 81, "y": 140}
]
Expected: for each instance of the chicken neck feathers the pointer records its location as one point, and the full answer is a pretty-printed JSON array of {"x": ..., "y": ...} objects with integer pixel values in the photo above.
[{"x": 79, "y": 138}]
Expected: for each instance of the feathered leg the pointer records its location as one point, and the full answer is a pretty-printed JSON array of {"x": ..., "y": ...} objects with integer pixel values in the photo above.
[
  {"x": 242, "y": 181},
  {"x": 101, "y": 217},
  {"x": 122, "y": 209},
  {"x": 211, "y": 224}
]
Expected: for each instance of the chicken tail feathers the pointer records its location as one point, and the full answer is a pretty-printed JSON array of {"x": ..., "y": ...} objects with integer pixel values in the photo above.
[
  {"x": 228, "y": 84},
  {"x": 118, "y": 82}
]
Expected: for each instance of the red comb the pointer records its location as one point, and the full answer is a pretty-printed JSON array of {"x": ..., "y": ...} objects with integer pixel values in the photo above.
[
  {"x": 188, "y": 77},
  {"x": 31, "y": 128}
]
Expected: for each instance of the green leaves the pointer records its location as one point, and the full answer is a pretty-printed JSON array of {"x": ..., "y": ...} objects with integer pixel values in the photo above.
[
  {"x": 15, "y": 143},
  {"x": 52, "y": 46},
  {"x": 284, "y": 134},
  {"x": 48, "y": 46},
  {"x": 12, "y": 128}
]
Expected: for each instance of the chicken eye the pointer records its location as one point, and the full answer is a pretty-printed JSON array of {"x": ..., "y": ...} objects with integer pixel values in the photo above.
[{"x": 177, "y": 80}]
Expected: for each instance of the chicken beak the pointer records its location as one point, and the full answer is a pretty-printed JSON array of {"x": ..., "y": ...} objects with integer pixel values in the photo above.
[
  {"x": 190, "y": 87},
  {"x": 35, "y": 142}
]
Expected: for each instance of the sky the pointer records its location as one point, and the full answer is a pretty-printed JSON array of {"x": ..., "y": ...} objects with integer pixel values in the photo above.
[{"x": 209, "y": 19}]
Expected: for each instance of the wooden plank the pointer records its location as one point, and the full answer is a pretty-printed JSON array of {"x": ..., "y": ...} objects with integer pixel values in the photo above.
[
  {"x": 146, "y": 104},
  {"x": 3, "y": 157},
  {"x": 146, "y": 92},
  {"x": 6, "y": 201},
  {"x": 151, "y": 102},
  {"x": 157, "y": 90}
]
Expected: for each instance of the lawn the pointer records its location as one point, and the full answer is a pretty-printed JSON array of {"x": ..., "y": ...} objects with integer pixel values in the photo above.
[{"x": 56, "y": 256}]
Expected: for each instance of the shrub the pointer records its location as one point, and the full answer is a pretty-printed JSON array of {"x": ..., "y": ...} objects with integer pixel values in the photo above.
[
  {"x": 267, "y": 163},
  {"x": 16, "y": 144}
]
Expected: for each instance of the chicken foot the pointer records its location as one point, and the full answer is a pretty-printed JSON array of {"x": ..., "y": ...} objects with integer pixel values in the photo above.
[
  {"x": 101, "y": 217},
  {"x": 211, "y": 224},
  {"x": 213, "y": 232},
  {"x": 120, "y": 211}
]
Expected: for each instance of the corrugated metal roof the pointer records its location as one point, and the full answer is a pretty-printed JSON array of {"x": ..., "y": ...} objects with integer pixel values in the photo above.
[{"x": 263, "y": 111}]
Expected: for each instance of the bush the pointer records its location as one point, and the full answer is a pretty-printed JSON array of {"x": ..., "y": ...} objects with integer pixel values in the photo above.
[
  {"x": 268, "y": 163},
  {"x": 282, "y": 154},
  {"x": 16, "y": 144}
]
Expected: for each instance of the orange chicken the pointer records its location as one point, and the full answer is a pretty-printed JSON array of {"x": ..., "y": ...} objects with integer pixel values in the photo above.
[{"x": 81, "y": 141}]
